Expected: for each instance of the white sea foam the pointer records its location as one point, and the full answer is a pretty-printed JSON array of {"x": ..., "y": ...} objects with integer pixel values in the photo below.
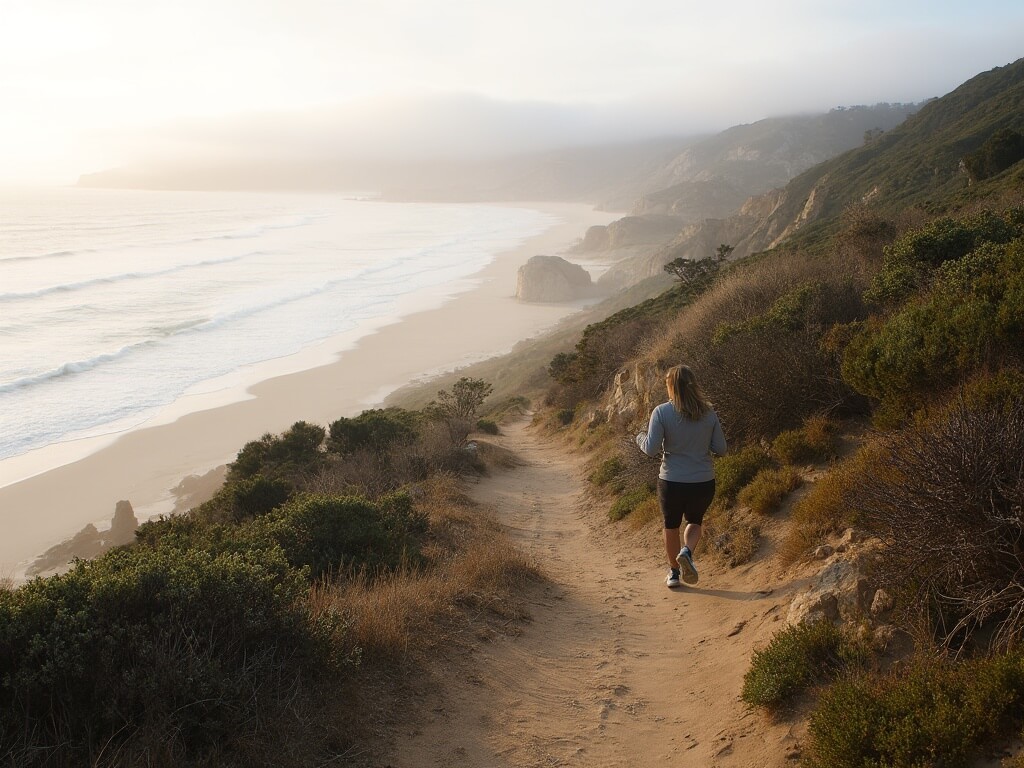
[{"x": 113, "y": 304}]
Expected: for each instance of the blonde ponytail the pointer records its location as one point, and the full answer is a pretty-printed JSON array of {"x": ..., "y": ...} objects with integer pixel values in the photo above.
[{"x": 685, "y": 393}]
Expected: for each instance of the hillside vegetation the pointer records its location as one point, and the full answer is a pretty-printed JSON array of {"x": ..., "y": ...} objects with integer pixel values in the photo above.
[
  {"x": 274, "y": 624},
  {"x": 903, "y": 313}
]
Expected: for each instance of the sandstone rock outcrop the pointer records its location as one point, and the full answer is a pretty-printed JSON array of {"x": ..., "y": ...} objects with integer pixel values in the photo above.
[
  {"x": 88, "y": 542},
  {"x": 840, "y": 592},
  {"x": 122, "y": 527},
  {"x": 552, "y": 278},
  {"x": 633, "y": 394}
]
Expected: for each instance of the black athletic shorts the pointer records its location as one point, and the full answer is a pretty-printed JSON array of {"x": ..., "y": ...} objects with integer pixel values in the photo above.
[{"x": 684, "y": 500}]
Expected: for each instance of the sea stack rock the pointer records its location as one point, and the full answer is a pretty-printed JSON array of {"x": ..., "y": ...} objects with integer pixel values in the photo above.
[
  {"x": 552, "y": 278},
  {"x": 123, "y": 525}
]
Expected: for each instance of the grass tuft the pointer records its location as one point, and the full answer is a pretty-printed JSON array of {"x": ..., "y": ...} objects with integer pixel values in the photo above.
[
  {"x": 814, "y": 442},
  {"x": 797, "y": 658},
  {"x": 765, "y": 493},
  {"x": 629, "y": 501},
  {"x": 826, "y": 509},
  {"x": 936, "y": 712}
]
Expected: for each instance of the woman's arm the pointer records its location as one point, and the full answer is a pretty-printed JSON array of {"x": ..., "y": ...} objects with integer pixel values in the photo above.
[{"x": 650, "y": 442}]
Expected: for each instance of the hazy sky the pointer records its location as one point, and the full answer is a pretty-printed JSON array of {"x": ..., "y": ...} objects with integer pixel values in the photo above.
[{"x": 90, "y": 85}]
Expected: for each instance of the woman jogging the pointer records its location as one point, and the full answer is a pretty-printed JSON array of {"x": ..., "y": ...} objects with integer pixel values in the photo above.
[{"x": 685, "y": 431}]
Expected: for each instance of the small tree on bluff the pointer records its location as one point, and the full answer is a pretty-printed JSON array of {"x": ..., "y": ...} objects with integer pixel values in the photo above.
[
  {"x": 465, "y": 397},
  {"x": 692, "y": 271}
]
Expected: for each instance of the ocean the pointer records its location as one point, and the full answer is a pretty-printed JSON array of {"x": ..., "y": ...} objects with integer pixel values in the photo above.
[{"x": 114, "y": 304}]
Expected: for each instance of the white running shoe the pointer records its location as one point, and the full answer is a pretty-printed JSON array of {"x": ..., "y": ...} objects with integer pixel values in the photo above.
[
  {"x": 673, "y": 578},
  {"x": 686, "y": 567}
]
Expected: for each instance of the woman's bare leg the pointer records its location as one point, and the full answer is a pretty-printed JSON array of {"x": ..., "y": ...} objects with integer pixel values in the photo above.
[
  {"x": 691, "y": 536},
  {"x": 672, "y": 545}
]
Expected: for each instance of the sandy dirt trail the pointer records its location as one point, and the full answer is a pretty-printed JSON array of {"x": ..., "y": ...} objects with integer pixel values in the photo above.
[{"x": 614, "y": 669}]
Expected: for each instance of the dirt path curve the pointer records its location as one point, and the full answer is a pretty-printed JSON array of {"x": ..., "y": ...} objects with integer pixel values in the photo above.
[{"x": 614, "y": 669}]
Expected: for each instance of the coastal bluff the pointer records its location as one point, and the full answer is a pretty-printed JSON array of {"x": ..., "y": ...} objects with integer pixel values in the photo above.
[{"x": 552, "y": 279}]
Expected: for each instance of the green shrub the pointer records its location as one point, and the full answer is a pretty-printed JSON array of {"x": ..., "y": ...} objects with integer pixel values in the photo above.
[
  {"x": 797, "y": 658},
  {"x": 789, "y": 313},
  {"x": 244, "y": 498},
  {"x": 607, "y": 471},
  {"x": 629, "y": 501},
  {"x": 487, "y": 426},
  {"x": 329, "y": 533},
  {"x": 735, "y": 470},
  {"x": 971, "y": 319},
  {"x": 291, "y": 454},
  {"x": 769, "y": 487},
  {"x": 935, "y": 713},
  {"x": 565, "y": 416},
  {"x": 910, "y": 262},
  {"x": 374, "y": 430},
  {"x": 191, "y": 644},
  {"x": 1001, "y": 150}
]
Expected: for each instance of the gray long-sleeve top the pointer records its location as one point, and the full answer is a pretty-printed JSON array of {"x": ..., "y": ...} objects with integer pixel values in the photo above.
[{"x": 685, "y": 446}]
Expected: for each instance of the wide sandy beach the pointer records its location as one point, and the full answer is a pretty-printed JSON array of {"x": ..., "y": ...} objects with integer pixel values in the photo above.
[{"x": 142, "y": 465}]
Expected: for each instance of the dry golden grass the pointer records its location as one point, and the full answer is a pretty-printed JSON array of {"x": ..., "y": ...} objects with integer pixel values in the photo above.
[
  {"x": 471, "y": 569},
  {"x": 765, "y": 377},
  {"x": 645, "y": 514},
  {"x": 826, "y": 510},
  {"x": 765, "y": 493},
  {"x": 820, "y": 431},
  {"x": 731, "y": 534},
  {"x": 813, "y": 442}
]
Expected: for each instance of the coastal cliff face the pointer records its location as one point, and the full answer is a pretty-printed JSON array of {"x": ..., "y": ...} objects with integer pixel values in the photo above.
[
  {"x": 631, "y": 231},
  {"x": 552, "y": 279},
  {"x": 712, "y": 178}
]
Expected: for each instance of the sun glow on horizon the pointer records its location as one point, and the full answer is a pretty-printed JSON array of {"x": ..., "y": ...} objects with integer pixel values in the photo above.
[{"x": 87, "y": 87}]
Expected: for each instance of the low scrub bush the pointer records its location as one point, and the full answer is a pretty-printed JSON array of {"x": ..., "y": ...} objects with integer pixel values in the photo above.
[
  {"x": 293, "y": 454},
  {"x": 813, "y": 442},
  {"x": 948, "y": 509},
  {"x": 732, "y": 534},
  {"x": 607, "y": 471},
  {"x": 187, "y": 647},
  {"x": 910, "y": 262},
  {"x": 645, "y": 513},
  {"x": 830, "y": 505},
  {"x": 374, "y": 430},
  {"x": 971, "y": 319},
  {"x": 329, "y": 533},
  {"x": 765, "y": 493},
  {"x": 629, "y": 501},
  {"x": 934, "y": 713},
  {"x": 735, "y": 470},
  {"x": 245, "y": 498},
  {"x": 487, "y": 426},
  {"x": 798, "y": 657}
]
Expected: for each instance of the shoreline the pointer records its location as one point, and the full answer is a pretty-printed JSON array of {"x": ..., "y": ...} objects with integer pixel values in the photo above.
[{"x": 434, "y": 332}]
